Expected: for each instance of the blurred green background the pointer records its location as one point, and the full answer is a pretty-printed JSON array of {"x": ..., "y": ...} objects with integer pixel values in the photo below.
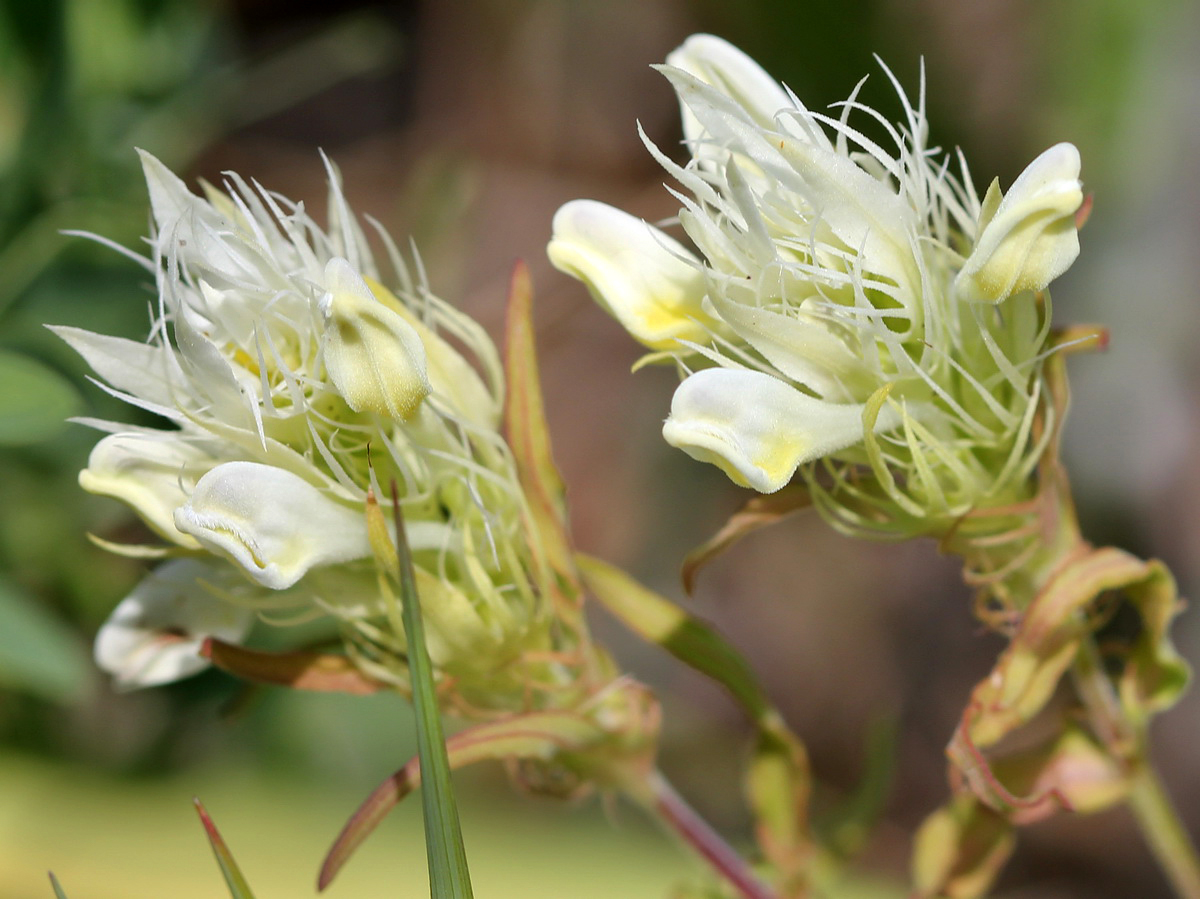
[{"x": 465, "y": 125}]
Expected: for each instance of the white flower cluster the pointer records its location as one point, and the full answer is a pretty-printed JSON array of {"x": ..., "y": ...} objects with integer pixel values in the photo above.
[
  {"x": 852, "y": 311},
  {"x": 293, "y": 382}
]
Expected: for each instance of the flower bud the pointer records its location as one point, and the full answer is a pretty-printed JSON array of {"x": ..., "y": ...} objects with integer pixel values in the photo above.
[
  {"x": 374, "y": 357},
  {"x": 1028, "y": 238}
]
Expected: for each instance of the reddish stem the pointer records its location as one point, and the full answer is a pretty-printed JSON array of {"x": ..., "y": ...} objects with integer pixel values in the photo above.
[{"x": 673, "y": 810}]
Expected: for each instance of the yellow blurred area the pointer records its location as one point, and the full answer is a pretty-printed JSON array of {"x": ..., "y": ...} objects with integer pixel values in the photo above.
[{"x": 108, "y": 837}]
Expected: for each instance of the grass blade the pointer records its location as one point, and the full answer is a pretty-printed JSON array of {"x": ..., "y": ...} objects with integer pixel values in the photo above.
[
  {"x": 238, "y": 888},
  {"x": 58, "y": 890},
  {"x": 448, "y": 874}
]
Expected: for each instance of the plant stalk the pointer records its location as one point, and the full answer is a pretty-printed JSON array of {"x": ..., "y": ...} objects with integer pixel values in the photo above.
[
  {"x": 1164, "y": 832},
  {"x": 674, "y": 811},
  {"x": 1156, "y": 816}
]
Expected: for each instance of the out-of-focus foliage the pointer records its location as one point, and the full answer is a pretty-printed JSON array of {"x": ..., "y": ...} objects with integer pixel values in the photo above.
[
  {"x": 80, "y": 83},
  {"x": 37, "y": 653}
]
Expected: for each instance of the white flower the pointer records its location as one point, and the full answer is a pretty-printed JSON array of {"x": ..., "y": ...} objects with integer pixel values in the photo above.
[
  {"x": 832, "y": 318},
  {"x": 292, "y": 380}
]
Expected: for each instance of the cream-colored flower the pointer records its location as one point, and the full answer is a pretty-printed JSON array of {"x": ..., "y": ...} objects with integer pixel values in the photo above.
[
  {"x": 850, "y": 311},
  {"x": 293, "y": 380}
]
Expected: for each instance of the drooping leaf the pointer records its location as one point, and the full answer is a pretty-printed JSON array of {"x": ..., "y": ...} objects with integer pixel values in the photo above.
[
  {"x": 758, "y": 512},
  {"x": 238, "y": 888},
  {"x": 35, "y": 401},
  {"x": 685, "y": 636},
  {"x": 300, "y": 670},
  {"x": 1056, "y": 633},
  {"x": 37, "y": 653},
  {"x": 538, "y": 735}
]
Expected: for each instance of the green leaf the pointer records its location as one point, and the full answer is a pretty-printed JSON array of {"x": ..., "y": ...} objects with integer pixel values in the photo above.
[
  {"x": 238, "y": 888},
  {"x": 688, "y": 638},
  {"x": 35, "y": 401},
  {"x": 37, "y": 653},
  {"x": 778, "y": 780},
  {"x": 448, "y": 874}
]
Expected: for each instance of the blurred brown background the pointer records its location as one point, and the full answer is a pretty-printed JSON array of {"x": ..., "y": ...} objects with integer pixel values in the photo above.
[{"x": 465, "y": 125}]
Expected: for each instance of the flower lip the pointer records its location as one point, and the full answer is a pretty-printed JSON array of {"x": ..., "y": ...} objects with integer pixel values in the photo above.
[
  {"x": 645, "y": 278},
  {"x": 154, "y": 635},
  {"x": 1029, "y": 237},
  {"x": 271, "y": 522},
  {"x": 757, "y": 428}
]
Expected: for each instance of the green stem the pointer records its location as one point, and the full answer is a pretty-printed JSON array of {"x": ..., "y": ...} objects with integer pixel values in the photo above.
[
  {"x": 1164, "y": 832},
  {"x": 1157, "y": 818}
]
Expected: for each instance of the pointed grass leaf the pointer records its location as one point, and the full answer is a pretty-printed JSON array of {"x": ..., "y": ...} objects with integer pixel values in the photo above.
[
  {"x": 759, "y": 512},
  {"x": 537, "y": 735},
  {"x": 58, "y": 890},
  {"x": 238, "y": 888},
  {"x": 449, "y": 877},
  {"x": 299, "y": 669},
  {"x": 36, "y": 400}
]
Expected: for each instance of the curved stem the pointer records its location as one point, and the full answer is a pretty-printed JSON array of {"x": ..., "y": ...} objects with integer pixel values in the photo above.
[
  {"x": 674, "y": 811},
  {"x": 1157, "y": 818}
]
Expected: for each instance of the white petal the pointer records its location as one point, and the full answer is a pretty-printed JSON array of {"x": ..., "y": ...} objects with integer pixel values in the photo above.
[
  {"x": 756, "y": 428},
  {"x": 648, "y": 281},
  {"x": 141, "y": 369},
  {"x": 187, "y": 225},
  {"x": 153, "y": 473},
  {"x": 154, "y": 635},
  {"x": 717, "y": 62},
  {"x": 374, "y": 357},
  {"x": 1030, "y": 239},
  {"x": 800, "y": 346},
  {"x": 272, "y": 523}
]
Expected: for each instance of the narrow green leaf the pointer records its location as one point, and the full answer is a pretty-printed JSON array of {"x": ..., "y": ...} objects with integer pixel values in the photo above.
[
  {"x": 448, "y": 874},
  {"x": 238, "y": 888},
  {"x": 778, "y": 779},
  {"x": 58, "y": 890},
  {"x": 685, "y": 636},
  {"x": 36, "y": 400},
  {"x": 537, "y": 735},
  {"x": 37, "y": 653}
]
